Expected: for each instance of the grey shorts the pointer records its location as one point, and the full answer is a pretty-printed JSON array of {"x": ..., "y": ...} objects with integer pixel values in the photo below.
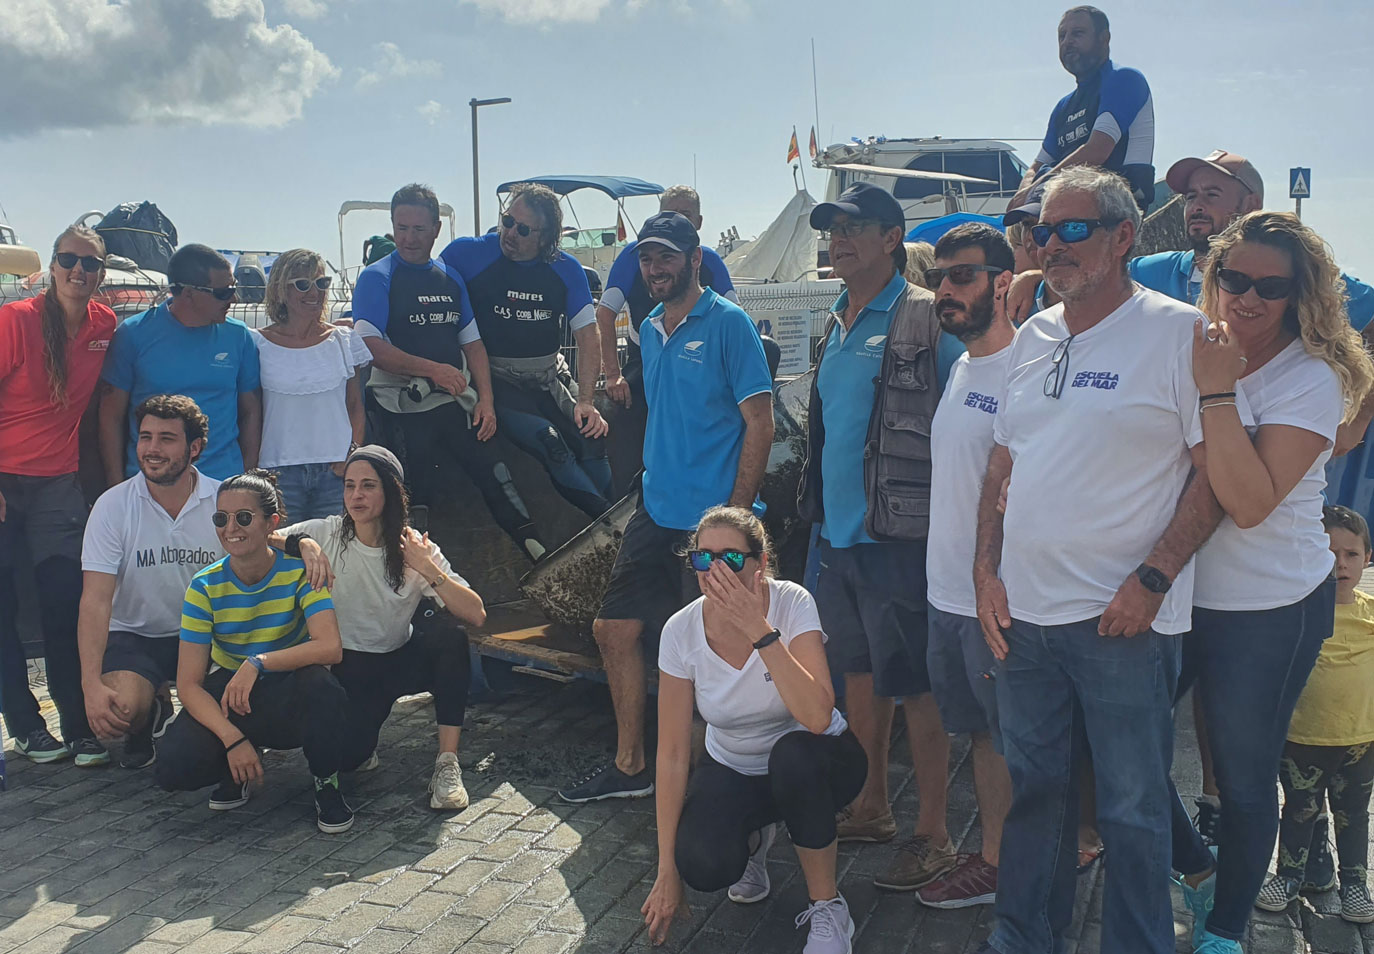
[
  {"x": 48, "y": 514},
  {"x": 872, "y": 602},
  {"x": 152, "y": 657},
  {"x": 963, "y": 675}
]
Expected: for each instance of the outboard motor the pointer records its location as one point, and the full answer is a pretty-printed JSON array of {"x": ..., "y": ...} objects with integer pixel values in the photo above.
[{"x": 251, "y": 279}]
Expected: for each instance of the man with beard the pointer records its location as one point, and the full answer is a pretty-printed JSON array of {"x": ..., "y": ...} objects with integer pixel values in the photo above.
[
  {"x": 866, "y": 481},
  {"x": 186, "y": 345},
  {"x": 1083, "y": 586},
  {"x": 1109, "y": 118},
  {"x": 710, "y": 399},
  {"x": 145, "y": 539},
  {"x": 973, "y": 269}
]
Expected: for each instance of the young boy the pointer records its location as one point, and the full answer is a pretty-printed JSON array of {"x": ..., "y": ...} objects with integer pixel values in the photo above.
[{"x": 1329, "y": 754}]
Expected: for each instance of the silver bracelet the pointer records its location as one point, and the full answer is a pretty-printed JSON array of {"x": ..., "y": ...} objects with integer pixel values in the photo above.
[{"x": 1219, "y": 404}]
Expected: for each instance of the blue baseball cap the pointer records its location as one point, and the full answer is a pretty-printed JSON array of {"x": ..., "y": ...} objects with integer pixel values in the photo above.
[
  {"x": 670, "y": 229},
  {"x": 862, "y": 200}
]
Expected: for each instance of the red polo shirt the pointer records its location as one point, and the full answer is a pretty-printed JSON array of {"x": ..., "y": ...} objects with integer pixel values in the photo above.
[{"x": 37, "y": 437}]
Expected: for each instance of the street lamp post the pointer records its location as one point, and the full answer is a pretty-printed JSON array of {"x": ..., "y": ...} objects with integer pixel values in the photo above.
[{"x": 476, "y": 184}]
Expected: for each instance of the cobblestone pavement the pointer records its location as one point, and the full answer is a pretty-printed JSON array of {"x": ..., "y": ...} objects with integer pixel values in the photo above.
[{"x": 98, "y": 861}]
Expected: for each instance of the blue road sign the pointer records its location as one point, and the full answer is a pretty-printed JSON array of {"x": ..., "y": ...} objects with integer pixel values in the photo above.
[{"x": 1299, "y": 183}]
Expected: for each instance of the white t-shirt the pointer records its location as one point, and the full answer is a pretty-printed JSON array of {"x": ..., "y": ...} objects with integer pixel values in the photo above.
[
  {"x": 373, "y": 618},
  {"x": 304, "y": 398},
  {"x": 151, "y": 556},
  {"x": 960, "y": 441},
  {"x": 1284, "y": 558},
  {"x": 745, "y": 716},
  {"x": 1097, "y": 473}
]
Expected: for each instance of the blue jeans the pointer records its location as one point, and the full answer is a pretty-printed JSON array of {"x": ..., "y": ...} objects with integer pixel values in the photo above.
[
  {"x": 1055, "y": 680},
  {"x": 311, "y": 491},
  {"x": 1252, "y": 667}
]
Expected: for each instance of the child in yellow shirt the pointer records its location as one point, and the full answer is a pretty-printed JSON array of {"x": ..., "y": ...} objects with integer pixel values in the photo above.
[{"x": 1329, "y": 754}]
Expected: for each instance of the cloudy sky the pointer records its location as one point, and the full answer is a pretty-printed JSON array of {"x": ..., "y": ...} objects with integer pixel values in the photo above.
[{"x": 250, "y": 122}]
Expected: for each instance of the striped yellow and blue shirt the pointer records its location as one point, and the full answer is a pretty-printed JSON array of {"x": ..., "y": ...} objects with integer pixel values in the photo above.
[{"x": 237, "y": 620}]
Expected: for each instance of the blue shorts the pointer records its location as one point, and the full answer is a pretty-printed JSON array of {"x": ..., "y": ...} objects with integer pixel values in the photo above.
[
  {"x": 963, "y": 675},
  {"x": 871, "y": 598}
]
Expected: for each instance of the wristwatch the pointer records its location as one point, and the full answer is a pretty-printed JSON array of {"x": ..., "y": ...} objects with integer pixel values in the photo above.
[
  {"x": 1153, "y": 579},
  {"x": 258, "y": 664},
  {"x": 768, "y": 640}
]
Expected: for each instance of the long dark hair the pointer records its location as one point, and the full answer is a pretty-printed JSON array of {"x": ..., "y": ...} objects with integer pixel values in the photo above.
[
  {"x": 55, "y": 319},
  {"x": 395, "y": 510}
]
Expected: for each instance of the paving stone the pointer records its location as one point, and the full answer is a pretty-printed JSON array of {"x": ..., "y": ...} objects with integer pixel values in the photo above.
[
  {"x": 420, "y": 912},
  {"x": 382, "y": 942},
  {"x": 37, "y": 919},
  {"x": 445, "y": 859},
  {"x": 281, "y": 936},
  {"x": 119, "y": 936},
  {"x": 216, "y": 941},
  {"x": 445, "y": 935},
  {"x": 332, "y": 901},
  {"x": 401, "y": 889},
  {"x": 55, "y": 940},
  {"x": 348, "y": 928},
  {"x": 487, "y": 899},
  {"x": 466, "y": 877}
]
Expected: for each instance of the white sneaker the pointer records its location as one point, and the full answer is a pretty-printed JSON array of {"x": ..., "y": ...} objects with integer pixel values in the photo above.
[
  {"x": 753, "y": 885},
  {"x": 832, "y": 929},
  {"x": 446, "y": 787}
]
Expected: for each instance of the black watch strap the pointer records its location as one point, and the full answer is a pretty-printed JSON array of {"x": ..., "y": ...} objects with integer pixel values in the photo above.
[
  {"x": 1153, "y": 579},
  {"x": 293, "y": 544},
  {"x": 768, "y": 640}
]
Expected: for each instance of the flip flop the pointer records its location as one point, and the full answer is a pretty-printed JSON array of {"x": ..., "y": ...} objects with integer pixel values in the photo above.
[{"x": 1091, "y": 854}]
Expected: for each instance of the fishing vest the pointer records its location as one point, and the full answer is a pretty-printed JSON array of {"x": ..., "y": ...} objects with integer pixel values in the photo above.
[{"x": 897, "y": 449}]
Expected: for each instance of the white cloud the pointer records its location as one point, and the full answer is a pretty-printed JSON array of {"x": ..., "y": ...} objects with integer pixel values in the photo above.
[
  {"x": 304, "y": 9},
  {"x": 431, "y": 112},
  {"x": 542, "y": 11},
  {"x": 391, "y": 63},
  {"x": 83, "y": 64}
]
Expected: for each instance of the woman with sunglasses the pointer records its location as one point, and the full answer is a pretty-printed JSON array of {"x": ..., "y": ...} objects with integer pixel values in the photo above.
[
  {"x": 749, "y": 655},
  {"x": 311, "y": 397},
  {"x": 1278, "y": 368},
  {"x": 380, "y": 569},
  {"x": 257, "y": 641},
  {"x": 52, "y": 347}
]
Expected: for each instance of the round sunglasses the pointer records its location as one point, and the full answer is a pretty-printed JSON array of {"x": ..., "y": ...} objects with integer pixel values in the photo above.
[
  {"x": 89, "y": 263},
  {"x": 1270, "y": 288},
  {"x": 521, "y": 229},
  {"x": 701, "y": 560},
  {"x": 243, "y": 518},
  {"x": 1070, "y": 231},
  {"x": 304, "y": 284}
]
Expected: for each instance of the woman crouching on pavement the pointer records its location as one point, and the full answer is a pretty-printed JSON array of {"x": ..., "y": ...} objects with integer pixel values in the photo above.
[
  {"x": 256, "y": 643},
  {"x": 750, "y": 655},
  {"x": 1278, "y": 368},
  {"x": 379, "y": 569}
]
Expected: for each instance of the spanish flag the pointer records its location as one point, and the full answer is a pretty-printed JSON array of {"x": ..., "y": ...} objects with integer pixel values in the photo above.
[
  {"x": 620, "y": 235},
  {"x": 814, "y": 150},
  {"x": 793, "y": 150}
]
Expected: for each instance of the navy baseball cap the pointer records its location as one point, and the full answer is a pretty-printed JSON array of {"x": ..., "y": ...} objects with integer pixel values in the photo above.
[
  {"x": 1030, "y": 212},
  {"x": 862, "y": 200},
  {"x": 671, "y": 229}
]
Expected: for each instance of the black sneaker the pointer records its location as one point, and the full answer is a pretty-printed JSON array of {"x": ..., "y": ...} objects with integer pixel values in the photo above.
[
  {"x": 332, "y": 814},
  {"x": 89, "y": 753},
  {"x": 1207, "y": 821},
  {"x": 162, "y": 714},
  {"x": 40, "y": 746},
  {"x": 138, "y": 750},
  {"x": 228, "y": 796},
  {"x": 609, "y": 782},
  {"x": 1320, "y": 874}
]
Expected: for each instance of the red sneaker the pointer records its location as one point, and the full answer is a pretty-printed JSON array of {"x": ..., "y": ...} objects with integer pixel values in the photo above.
[{"x": 971, "y": 882}]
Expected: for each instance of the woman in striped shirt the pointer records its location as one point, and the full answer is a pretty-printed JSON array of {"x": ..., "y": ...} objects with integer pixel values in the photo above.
[{"x": 256, "y": 644}]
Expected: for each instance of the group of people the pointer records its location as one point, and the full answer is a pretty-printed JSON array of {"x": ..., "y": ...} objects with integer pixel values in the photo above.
[{"x": 1054, "y": 487}]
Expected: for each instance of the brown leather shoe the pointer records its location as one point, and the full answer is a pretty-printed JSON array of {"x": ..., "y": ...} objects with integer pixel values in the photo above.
[
  {"x": 875, "y": 829},
  {"x": 918, "y": 863}
]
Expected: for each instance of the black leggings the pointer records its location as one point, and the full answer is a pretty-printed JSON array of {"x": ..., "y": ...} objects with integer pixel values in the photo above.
[
  {"x": 58, "y": 594},
  {"x": 301, "y": 709},
  {"x": 1310, "y": 775},
  {"x": 810, "y": 777},
  {"x": 577, "y": 465},
  {"x": 445, "y": 431},
  {"x": 435, "y": 661}
]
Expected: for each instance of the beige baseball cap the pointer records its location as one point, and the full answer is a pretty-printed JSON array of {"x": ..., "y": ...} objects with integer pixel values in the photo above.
[{"x": 1227, "y": 163}]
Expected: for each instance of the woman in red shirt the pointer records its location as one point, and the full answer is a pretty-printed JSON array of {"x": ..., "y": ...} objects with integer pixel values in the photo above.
[{"x": 51, "y": 350}]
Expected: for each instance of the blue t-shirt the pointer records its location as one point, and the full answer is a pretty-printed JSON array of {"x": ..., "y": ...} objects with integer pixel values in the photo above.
[
  {"x": 422, "y": 309},
  {"x": 1171, "y": 273},
  {"x": 847, "y": 379},
  {"x": 153, "y": 353},
  {"x": 1115, "y": 101},
  {"x": 625, "y": 283},
  {"x": 694, "y": 383},
  {"x": 521, "y": 307}
]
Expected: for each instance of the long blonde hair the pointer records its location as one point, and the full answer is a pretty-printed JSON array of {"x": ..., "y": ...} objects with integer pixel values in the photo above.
[
  {"x": 919, "y": 257},
  {"x": 296, "y": 263},
  {"x": 1316, "y": 310}
]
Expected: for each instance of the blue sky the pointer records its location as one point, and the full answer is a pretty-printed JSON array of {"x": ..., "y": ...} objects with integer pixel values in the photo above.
[{"x": 250, "y": 124}]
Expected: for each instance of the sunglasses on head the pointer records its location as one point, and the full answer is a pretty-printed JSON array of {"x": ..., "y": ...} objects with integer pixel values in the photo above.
[
  {"x": 242, "y": 517},
  {"x": 226, "y": 293},
  {"x": 1270, "y": 288},
  {"x": 957, "y": 274},
  {"x": 521, "y": 229},
  {"x": 89, "y": 263},
  {"x": 1070, "y": 231},
  {"x": 303, "y": 284},
  {"x": 701, "y": 560}
]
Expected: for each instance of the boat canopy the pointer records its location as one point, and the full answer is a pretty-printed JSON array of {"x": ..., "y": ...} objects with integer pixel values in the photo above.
[
  {"x": 617, "y": 187},
  {"x": 930, "y": 231}
]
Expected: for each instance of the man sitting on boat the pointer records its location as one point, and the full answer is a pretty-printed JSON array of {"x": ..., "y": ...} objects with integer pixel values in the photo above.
[
  {"x": 524, "y": 293},
  {"x": 1109, "y": 118}
]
